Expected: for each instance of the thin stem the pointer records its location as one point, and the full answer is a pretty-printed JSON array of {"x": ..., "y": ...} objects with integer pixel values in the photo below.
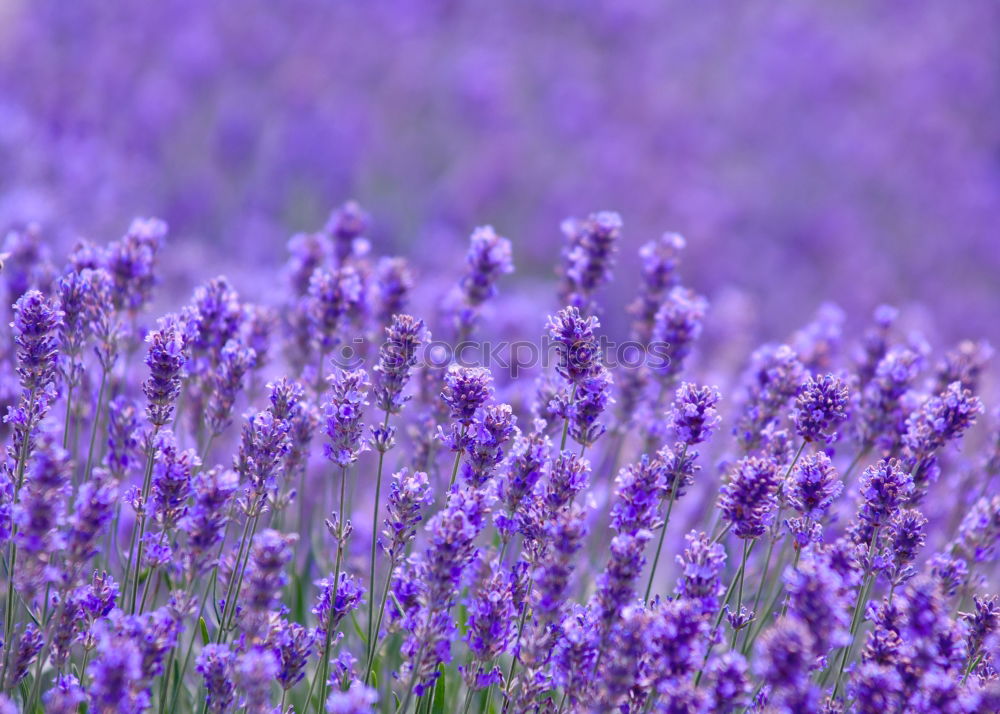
[
  {"x": 378, "y": 624},
  {"x": 371, "y": 569},
  {"x": 97, "y": 422},
  {"x": 146, "y": 482},
  {"x": 856, "y": 618},
  {"x": 675, "y": 486},
  {"x": 322, "y": 671},
  {"x": 722, "y": 611}
]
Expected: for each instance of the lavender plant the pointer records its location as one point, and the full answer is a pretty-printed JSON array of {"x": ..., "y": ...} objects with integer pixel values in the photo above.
[{"x": 157, "y": 558}]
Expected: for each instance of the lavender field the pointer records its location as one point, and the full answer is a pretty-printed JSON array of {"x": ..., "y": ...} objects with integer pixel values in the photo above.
[{"x": 438, "y": 357}]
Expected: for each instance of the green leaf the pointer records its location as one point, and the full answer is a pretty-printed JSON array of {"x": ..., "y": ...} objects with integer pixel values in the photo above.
[
  {"x": 205, "y": 639},
  {"x": 437, "y": 707}
]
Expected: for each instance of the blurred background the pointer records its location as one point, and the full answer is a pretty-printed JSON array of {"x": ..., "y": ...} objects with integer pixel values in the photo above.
[{"x": 814, "y": 151}]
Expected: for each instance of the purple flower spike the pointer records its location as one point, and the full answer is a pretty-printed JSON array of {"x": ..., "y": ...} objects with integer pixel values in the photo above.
[{"x": 820, "y": 407}]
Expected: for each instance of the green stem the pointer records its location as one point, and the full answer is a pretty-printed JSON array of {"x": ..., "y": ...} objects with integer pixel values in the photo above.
[
  {"x": 675, "y": 486},
  {"x": 371, "y": 569},
  {"x": 856, "y": 618},
  {"x": 137, "y": 544},
  {"x": 95, "y": 427}
]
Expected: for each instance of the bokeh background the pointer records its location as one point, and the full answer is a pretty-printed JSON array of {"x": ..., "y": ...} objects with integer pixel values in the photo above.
[{"x": 809, "y": 151}]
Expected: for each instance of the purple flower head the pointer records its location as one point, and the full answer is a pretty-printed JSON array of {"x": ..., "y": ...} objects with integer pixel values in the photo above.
[
  {"x": 885, "y": 486},
  {"x": 592, "y": 398},
  {"x": 332, "y": 607},
  {"x": 820, "y": 408},
  {"x": 36, "y": 325},
  {"x": 293, "y": 644},
  {"x": 484, "y": 443},
  {"x": 123, "y": 437},
  {"x": 875, "y": 343},
  {"x": 941, "y": 419},
  {"x": 882, "y": 413},
  {"x": 393, "y": 282},
  {"x": 346, "y": 227},
  {"x": 616, "y": 584},
  {"x": 818, "y": 342},
  {"x": 965, "y": 364},
  {"x": 116, "y": 674},
  {"x": 906, "y": 536},
  {"x": 466, "y": 389},
  {"x": 774, "y": 377},
  {"x": 165, "y": 358},
  {"x": 813, "y": 486},
  {"x": 214, "y": 317},
  {"x": 983, "y": 622},
  {"x": 396, "y": 358},
  {"x": 270, "y": 554},
  {"x": 979, "y": 531},
  {"x": 748, "y": 499},
  {"x": 65, "y": 697},
  {"x": 491, "y": 624},
  {"x": 948, "y": 572},
  {"x": 215, "y": 664},
  {"x": 660, "y": 258},
  {"x": 576, "y": 345},
  {"x": 75, "y": 300},
  {"x": 332, "y": 297},
  {"x": 524, "y": 469},
  {"x": 409, "y": 494},
  {"x": 575, "y": 651},
  {"x": 95, "y": 502},
  {"x": 41, "y": 514},
  {"x": 731, "y": 688},
  {"x": 286, "y": 396},
  {"x": 694, "y": 415},
  {"x": 26, "y": 262},
  {"x": 307, "y": 252},
  {"x": 255, "y": 670},
  {"x": 171, "y": 484},
  {"x": 488, "y": 258},
  {"x": 564, "y": 533},
  {"x": 343, "y": 413},
  {"x": 678, "y": 324},
  {"x": 132, "y": 263},
  {"x": 358, "y": 699},
  {"x": 23, "y": 654},
  {"x": 701, "y": 567},
  {"x": 786, "y": 655},
  {"x": 588, "y": 257},
  {"x": 815, "y": 597},
  {"x": 568, "y": 476},
  {"x": 235, "y": 360},
  {"x": 206, "y": 520},
  {"x": 259, "y": 325},
  {"x": 639, "y": 490},
  {"x": 263, "y": 445},
  {"x": 874, "y": 688}
]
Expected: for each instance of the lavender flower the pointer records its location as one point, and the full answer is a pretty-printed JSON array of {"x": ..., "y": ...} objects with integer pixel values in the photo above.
[
  {"x": 358, "y": 699},
  {"x": 520, "y": 475},
  {"x": 132, "y": 263},
  {"x": 171, "y": 484},
  {"x": 568, "y": 476},
  {"x": 396, "y": 358},
  {"x": 36, "y": 325},
  {"x": 615, "y": 585},
  {"x": 409, "y": 493},
  {"x": 816, "y": 598},
  {"x": 820, "y": 407},
  {"x": 234, "y": 361},
  {"x": 813, "y": 486},
  {"x": 347, "y": 226},
  {"x": 576, "y": 345},
  {"x": 333, "y": 606},
  {"x": 214, "y": 317},
  {"x": 466, "y": 389},
  {"x": 206, "y": 520},
  {"x": 882, "y": 412},
  {"x": 394, "y": 282},
  {"x": 701, "y": 569},
  {"x": 694, "y": 415},
  {"x": 749, "y": 498},
  {"x": 293, "y": 645},
  {"x": 265, "y": 576},
  {"x": 255, "y": 670},
  {"x": 263, "y": 445},
  {"x": 592, "y": 398},
  {"x": 639, "y": 490},
  {"x": 906, "y": 536},
  {"x": 343, "y": 413},
  {"x": 90, "y": 518},
  {"x": 488, "y": 434},
  {"x": 941, "y": 419},
  {"x": 40, "y": 516},
  {"x": 65, "y": 697},
  {"x": 491, "y": 626},
  {"x": 165, "y": 359},
  {"x": 884, "y": 488},
  {"x": 488, "y": 258},
  {"x": 123, "y": 437},
  {"x": 588, "y": 257},
  {"x": 773, "y": 379},
  {"x": 29, "y": 644},
  {"x": 678, "y": 325},
  {"x": 332, "y": 295},
  {"x": 216, "y": 665},
  {"x": 660, "y": 258}
]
